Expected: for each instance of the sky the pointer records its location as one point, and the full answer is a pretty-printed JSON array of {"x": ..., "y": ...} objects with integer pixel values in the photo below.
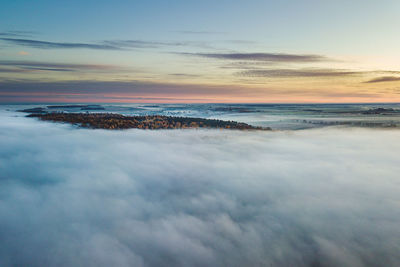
[{"x": 199, "y": 51}]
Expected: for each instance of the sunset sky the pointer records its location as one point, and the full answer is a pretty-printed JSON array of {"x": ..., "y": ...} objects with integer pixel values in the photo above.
[{"x": 200, "y": 51}]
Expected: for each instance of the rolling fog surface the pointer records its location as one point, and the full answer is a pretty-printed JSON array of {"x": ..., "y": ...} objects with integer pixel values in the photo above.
[{"x": 81, "y": 197}]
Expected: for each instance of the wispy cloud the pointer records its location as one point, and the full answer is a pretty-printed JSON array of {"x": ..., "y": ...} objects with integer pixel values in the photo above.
[
  {"x": 142, "y": 44},
  {"x": 384, "y": 79},
  {"x": 102, "y": 45},
  {"x": 120, "y": 91},
  {"x": 282, "y": 73},
  {"x": 316, "y": 72},
  {"x": 23, "y": 53},
  {"x": 92, "y": 86},
  {"x": 49, "y": 69},
  {"x": 58, "y": 45},
  {"x": 48, "y": 66},
  {"x": 264, "y": 57},
  {"x": 12, "y": 70},
  {"x": 17, "y": 33},
  {"x": 243, "y": 42},
  {"x": 127, "y": 91},
  {"x": 184, "y": 75},
  {"x": 201, "y": 32}
]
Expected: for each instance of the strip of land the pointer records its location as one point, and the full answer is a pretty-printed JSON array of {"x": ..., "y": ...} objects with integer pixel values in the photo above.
[{"x": 117, "y": 121}]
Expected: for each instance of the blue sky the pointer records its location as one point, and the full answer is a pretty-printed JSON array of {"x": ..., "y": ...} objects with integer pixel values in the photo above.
[{"x": 170, "y": 42}]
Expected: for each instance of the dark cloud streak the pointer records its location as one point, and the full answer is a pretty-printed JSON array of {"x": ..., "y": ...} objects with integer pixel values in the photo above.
[
  {"x": 103, "y": 45},
  {"x": 265, "y": 57},
  {"x": 17, "y": 33},
  {"x": 93, "y": 87},
  {"x": 384, "y": 79},
  {"x": 12, "y": 70},
  {"x": 141, "y": 44},
  {"x": 58, "y": 45}
]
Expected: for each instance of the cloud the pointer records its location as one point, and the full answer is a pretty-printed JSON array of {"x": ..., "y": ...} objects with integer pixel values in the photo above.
[
  {"x": 126, "y": 44},
  {"x": 23, "y": 53},
  {"x": 284, "y": 73},
  {"x": 142, "y": 44},
  {"x": 78, "y": 197},
  {"x": 49, "y": 66},
  {"x": 17, "y": 33},
  {"x": 250, "y": 71},
  {"x": 265, "y": 57},
  {"x": 12, "y": 70},
  {"x": 184, "y": 75},
  {"x": 201, "y": 32},
  {"x": 48, "y": 69},
  {"x": 384, "y": 79},
  {"x": 31, "y": 90},
  {"x": 243, "y": 42},
  {"x": 104, "y": 91},
  {"x": 57, "y": 45},
  {"x": 103, "y": 45}
]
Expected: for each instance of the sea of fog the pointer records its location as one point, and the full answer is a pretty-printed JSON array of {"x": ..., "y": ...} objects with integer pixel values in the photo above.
[{"x": 324, "y": 196}]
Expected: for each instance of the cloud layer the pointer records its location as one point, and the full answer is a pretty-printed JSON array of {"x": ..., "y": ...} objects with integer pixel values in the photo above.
[
  {"x": 17, "y": 33},
  {"x": 384, "y": 79},
  {"x": 50, "y": 45},
  {"x": 265, "y": 57},
  {"x": 102, "y": 45},
  {"x": 18, "y": 66},
  {"x": 75, "y": 197},
  {"x": 109, "y": 90},
  {"x": 283, "y": 73}
]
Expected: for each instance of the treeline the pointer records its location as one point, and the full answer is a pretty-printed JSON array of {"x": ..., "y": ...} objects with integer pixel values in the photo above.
[{"x": 118, "y": 121}]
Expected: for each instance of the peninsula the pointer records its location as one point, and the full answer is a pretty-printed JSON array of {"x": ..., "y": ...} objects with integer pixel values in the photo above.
[{"x": 117, "y": 121}]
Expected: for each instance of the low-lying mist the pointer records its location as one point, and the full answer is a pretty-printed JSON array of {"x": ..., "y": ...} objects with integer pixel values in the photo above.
[{"x": 81, "y": 197}]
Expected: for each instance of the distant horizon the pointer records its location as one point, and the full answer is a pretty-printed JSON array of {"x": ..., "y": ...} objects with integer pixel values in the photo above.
[{"x": 205, "y": 103}]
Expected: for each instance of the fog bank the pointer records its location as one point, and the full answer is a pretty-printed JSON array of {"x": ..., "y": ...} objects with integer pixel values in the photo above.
[{"x": 81, "y": 197}]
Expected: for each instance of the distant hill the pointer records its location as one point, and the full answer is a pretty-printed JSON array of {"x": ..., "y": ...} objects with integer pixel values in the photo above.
[{"x": 117, "y": 121}]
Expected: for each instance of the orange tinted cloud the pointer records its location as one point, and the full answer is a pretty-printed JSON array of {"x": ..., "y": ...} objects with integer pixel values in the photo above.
[{"x": 23, "y": 53}]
